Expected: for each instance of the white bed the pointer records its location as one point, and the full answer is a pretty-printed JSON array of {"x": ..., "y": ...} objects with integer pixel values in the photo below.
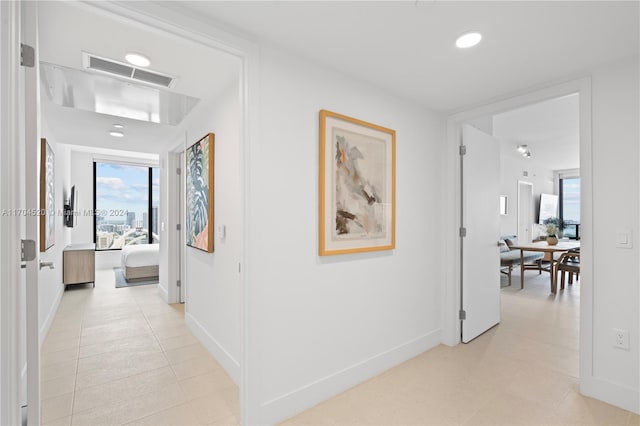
[{"x": 140, "y": 261}]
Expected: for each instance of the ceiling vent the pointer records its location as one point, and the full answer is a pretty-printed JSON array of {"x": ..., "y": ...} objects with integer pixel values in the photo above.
[{"x": 109, "y": 66}]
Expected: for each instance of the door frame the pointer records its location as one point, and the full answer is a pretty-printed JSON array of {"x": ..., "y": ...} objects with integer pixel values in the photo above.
[
  {"x": 530, "y": 185},
  {"x": 12, "y": 278},
  {"x": 175, "y": 238},
  {"x": 170, "y": 21},
  {"x": 451, "y": 198}
]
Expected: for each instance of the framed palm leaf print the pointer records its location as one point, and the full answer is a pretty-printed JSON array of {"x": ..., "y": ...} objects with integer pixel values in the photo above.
[
  {"x": 47, "y": 196},
  {"x": 199, "y": 181},
  {"x": 357, "y": 185}
]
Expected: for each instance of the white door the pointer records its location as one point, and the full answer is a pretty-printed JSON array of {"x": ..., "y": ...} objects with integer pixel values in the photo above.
[
  {"x": 29, "y": 16},
  {"x": 181, "y": 219},
  {"x": 525, "y": 211},
  {"x": 480, "y": 285}
]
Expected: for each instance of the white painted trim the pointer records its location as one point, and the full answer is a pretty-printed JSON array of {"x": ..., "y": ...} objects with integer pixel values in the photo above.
[
  {"x": 306, "y": 396},
  {"x": 164, "y": 294},
  {"x": 172, "y": 221},
  {"x": 451, "y": 203},
  {"x": 11, "y": 276},
  {"x": 46, "y": 325},
  {"x": 612, "y": 393},
  {"x": 224, "y": 358},
  {"x": 175, "y": 247},
  {"x": 114, "y": 159}
]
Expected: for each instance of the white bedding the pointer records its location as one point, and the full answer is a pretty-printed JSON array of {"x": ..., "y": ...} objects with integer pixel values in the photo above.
[{"x": 137, "y": 255}]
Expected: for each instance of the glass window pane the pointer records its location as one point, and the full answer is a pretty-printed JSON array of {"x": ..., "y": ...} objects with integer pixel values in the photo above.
[
  {"x": 571, "y": 205},
  {"x": 122, "y": 205},
  {"x": 155, "y": 204}
]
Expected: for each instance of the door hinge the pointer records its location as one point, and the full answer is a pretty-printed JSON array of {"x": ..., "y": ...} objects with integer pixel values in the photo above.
[
  {"x": 27, "y": 250},
  {"x": 179, "y": 283},
  {"x": 463, "y": 150},
  {"x": 462, "y": 315},
  {"x": 463, "y": 232},
  {"x": 27, "y": 55},
  {"x": 239, "y": 268},
  {"x": 178, "y": 171},
  {"x": 178, "y": 227}
]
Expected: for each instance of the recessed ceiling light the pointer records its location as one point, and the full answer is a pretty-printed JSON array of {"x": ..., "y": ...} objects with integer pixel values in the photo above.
[
  {"x": 468, "y": 39},
  {"x": 137, "y": 59},
  {"x": 118, "y": 126},
  {"x": 116, "y": 134}
]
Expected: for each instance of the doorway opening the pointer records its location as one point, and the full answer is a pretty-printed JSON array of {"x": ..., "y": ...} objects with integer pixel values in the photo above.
[
  {"x": 582, "y": 320},
  {"x": 233, "y": 83}
]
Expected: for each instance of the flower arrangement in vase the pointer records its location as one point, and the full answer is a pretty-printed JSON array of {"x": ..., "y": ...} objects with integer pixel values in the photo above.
[{"x": 555, "y": 227}]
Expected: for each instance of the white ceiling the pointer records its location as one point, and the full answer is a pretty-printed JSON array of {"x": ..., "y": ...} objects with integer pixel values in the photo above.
[
  {"x": 407, "y": 47},
  {"x": 550, "y": 130},
  {"x": 404, "y": 47},
  {"x": 68, "y": 29}
]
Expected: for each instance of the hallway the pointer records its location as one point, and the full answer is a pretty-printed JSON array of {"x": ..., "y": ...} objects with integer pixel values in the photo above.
[{"x": 123, "y": 356}]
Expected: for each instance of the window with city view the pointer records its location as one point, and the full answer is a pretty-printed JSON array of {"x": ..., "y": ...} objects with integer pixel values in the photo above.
[
  {"x": 570, "y": 206},
  {"x": 126, "y": 202}
]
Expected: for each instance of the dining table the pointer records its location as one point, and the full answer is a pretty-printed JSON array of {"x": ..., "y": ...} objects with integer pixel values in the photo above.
[{"x": 544, "y": 247}]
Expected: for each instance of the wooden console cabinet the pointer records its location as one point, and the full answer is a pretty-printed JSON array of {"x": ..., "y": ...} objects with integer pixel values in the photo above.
[{"x": 79, "y": 264}]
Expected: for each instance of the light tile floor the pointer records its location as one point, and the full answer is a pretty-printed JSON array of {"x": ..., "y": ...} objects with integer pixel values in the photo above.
[
  {"x": 522, "y": 372},
  {"x": 123, "y": 356},
  {"x": 116, "y": 356}
]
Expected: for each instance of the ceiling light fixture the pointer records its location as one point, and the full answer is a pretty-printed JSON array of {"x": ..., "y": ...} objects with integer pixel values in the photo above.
[
  {"x": 137, "y": 59},
  {"x": 524, "y": 150},
  {"x": 468, "y": 39},
  {"x": 118, "y": 126},
  {"x": 116, "y": 134}
]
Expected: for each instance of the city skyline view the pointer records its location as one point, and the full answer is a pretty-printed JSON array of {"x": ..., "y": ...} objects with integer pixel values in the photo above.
[{"x": 122, "y": 204}]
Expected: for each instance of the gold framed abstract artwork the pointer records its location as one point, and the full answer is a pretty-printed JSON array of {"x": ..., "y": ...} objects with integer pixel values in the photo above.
[
  {"x": 199, "y": 181},
  {"x": 357, "y": 185}
]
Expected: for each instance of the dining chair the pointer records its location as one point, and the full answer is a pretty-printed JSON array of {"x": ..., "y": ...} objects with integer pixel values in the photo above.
[{"x": 568, "y": 263}]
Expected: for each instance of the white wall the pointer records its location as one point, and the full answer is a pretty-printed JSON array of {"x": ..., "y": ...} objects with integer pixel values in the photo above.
[
  {"x": 82, "y": 177},
  {"x": 212, "y": 280},
  {"x": 50, "y": 280},
  {"x": 319, "y": 325},
  {"x": 512, "y": 169},
  {"x": 616, "y": 187}
]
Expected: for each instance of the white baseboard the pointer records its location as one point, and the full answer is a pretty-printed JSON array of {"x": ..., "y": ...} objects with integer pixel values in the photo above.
[
  {"x": 46, "y": 325},
  {"x": 230, "y": 364},
  {"x": 164, "y": 294},
  {"x": 298, "y": 400},
  {"x": 611, "y": 393}
]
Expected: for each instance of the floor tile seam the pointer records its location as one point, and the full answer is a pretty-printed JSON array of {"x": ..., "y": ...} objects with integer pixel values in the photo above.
[
  {"x": 105, "y": 352},
  {"x": 131, "y": 376},
  {"x": 155, "y": 413},
  {"x": 118, "y": 403},
  {"x": 166, "y": 407},
  {"x": 103, "y": 367},
  {"x": 61, "y": 417},
  {"x": 113, "y": 340},
  {"x": 157, "y": 340},
  {"x": 125, "y": 376}
]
